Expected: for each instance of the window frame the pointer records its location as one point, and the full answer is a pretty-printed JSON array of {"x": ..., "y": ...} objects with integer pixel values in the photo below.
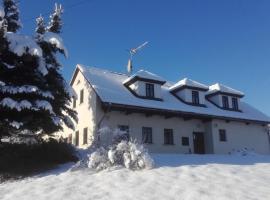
[
  {"x": 222, "y": 135},
  {"x": 168, "y": 136},
  {"x": 235, "y": 105},
  {"x": 195, "y": 97},
  {"x": 85, "y": 135},
  {"x": 150, "y": 90},
  {"x": 147, "y": 135},
  {"x": 77, "y": 138},
  {"x": 70, "y": 138},
  {"x": 126, "y": 129},
  {"x": 74, "y": 102},
  {"x": 81, "y": 96},
  {"x": 225, "y": 102},
  {"x": 185, "y": 141}
]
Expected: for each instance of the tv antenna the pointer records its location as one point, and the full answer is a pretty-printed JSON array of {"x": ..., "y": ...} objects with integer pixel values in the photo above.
[{"x": 133, "y": 52}]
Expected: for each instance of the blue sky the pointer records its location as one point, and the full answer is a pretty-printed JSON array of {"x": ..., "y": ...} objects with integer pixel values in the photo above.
[{"x": 210, "y": 41}]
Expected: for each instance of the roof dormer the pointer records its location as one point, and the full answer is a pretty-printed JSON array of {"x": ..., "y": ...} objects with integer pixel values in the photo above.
[
  {"x": 146, "y": 85},
  {"x": 224, "y": 97},
  {"x": 190, "y": 92}
]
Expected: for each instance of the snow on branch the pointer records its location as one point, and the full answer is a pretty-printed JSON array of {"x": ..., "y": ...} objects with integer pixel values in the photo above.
[
  {"x": 21, "y": 44},
  {"x": 55, "y": 39},
  {"x": 26, "y": 89},
  {"x": 12, "y": 104}
]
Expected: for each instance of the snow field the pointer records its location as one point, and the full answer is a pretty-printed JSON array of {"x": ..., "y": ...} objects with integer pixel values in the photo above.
[{"x": 188, "y": 177}]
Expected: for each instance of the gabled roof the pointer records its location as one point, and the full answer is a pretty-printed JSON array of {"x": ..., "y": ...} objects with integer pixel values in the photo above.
[
  {"x": 223, "y": 89},
  {"x": 146, "y": 76},
  {"x": 111, "y": 91},
  {"x": 188, "y": 83}
]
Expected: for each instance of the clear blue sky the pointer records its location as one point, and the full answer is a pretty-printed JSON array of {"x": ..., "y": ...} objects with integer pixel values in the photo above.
[{"x": 210, "y": 41}]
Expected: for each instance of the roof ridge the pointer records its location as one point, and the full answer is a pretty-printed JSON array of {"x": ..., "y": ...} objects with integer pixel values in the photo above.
[{"x": 101, "y": 69}]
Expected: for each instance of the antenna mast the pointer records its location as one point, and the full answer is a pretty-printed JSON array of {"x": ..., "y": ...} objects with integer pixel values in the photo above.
[{"x": 132, "y": 52}]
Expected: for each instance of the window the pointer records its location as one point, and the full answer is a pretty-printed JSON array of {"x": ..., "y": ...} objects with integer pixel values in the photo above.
[
  {"x": 125, "y": 130},
  {"x": 74, "y": 102},
  {"x": 222, "y": 135},
  {"x": 225, "y": 102},
  {"x": 70, "y": 138},
  {"x": 147, "y": 135},
  {"x": 85, "y": 136},
  {"x": 235, "y": 103},
  {"x": 81, "y": 96},
  {"x": 185, "y": 141},
  {"x": 77, "y": 138},
  {"x": 195, "y": 97},
  {"x": 168, "y": 136},
  {"x": 149, "y": 90}
]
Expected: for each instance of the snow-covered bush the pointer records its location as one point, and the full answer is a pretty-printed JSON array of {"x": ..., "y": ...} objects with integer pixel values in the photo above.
[
  {"x": 121, "y": 151},
  {"x": 243, "y": 152}
]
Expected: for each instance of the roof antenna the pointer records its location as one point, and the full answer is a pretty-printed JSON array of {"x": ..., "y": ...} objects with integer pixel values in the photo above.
[{"x": 132, "y": 52}]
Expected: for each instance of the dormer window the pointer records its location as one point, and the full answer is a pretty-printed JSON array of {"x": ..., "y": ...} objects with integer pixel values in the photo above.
[
  {"x": 225, "y": 102},
  {"x": 145, "y": 85},
  {"x": 189, "y": 92},
  {"x": 195, "y": 97},
  {"x": 149, "y": 90},
  {"x": 224, "y": 97},
  {"x": 235, "y": 103}
]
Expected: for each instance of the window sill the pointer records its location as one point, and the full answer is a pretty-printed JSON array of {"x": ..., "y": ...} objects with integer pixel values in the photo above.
[{"x": 168, "y": 144}]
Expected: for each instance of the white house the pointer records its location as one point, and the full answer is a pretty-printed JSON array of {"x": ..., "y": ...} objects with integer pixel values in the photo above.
[{"x": 182, "y": 117}]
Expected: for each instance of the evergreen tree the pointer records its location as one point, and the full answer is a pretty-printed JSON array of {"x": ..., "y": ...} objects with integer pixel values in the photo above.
[
  {"x": 40, "y": 30},
  {"x": 51, "y": 43},
  {"x": 11, "y": 15},
  {"x": 25, "y": 99},
  {"x": 55, "y": 24}
]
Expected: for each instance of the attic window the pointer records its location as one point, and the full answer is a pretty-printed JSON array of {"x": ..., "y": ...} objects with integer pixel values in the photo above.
[
  {"x": 149, "y": 90},
  {"x": 195, "y": 97},
  {"x": 234, "y": 103},
  {"x": 225, "y": 102}
]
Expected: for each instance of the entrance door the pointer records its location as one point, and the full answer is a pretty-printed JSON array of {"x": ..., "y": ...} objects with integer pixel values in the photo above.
[{"x": 198, "y": 142}]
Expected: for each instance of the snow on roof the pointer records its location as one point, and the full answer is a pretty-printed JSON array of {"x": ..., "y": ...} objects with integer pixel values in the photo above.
[
  {"x": 146, "y": 75},
  {"x": 223, "y": 88},
  {"x": 109, "y": 87},
  {"x": 188, "y": 82}
]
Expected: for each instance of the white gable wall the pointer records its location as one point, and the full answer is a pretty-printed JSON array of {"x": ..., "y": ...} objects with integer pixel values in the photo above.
[{"x": 86, "y": 111}]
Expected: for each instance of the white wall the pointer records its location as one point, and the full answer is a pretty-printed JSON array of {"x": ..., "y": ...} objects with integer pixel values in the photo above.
[
  {"x": 186, "y": 95},
  {"x": 240, "y": 135},
  {"x": 139, "y": 88},
  {"x": 158, "y": 123},
  {"x": 86, "y": 111}
]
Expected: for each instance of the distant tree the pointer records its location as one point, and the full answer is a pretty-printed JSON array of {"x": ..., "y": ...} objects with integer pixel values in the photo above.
[{"x": 12, "y": 15}]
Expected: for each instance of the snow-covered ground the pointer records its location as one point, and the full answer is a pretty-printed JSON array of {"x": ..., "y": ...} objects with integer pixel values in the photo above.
[{"x": 175, "y": 177}]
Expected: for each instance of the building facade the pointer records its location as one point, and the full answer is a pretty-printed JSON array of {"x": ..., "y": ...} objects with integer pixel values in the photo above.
[{"x": 185, "y": 117}]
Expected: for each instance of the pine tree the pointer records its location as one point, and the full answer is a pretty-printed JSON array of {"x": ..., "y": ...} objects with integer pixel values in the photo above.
[
  {"x": 12, "y": 15},
  {"x": 51, "y": 43},
  {"x": 40, "y": 30},
  {"x": 55, "y": 24},
  {"x": 25, "y": 99}
]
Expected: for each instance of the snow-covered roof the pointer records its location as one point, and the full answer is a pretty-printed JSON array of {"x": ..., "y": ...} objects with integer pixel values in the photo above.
[
  {"x": 189, "y": 83},
  {"x": 223, "y": 88},
  {"x": 145, "y": 75},
  {"x": 109, "y": 87}
]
